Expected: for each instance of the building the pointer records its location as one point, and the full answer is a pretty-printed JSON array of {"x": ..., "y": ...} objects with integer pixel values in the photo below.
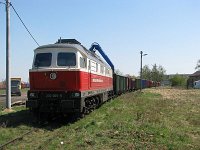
[
  {"x": 193, "y": 77},
  {"x": 2, "y": 85}
]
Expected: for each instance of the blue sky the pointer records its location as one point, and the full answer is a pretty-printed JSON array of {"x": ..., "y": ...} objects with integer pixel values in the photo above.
[{"x": 168, "y": 31}]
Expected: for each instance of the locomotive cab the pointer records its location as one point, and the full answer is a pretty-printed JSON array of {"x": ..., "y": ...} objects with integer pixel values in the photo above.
[{"x": 55, "y": 58}]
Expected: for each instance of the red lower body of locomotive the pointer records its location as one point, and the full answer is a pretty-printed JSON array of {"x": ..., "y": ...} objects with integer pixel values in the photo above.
[{"x": 68, "y": 91}]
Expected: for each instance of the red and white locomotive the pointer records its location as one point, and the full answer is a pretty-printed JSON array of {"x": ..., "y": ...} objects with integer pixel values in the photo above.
[{"x": 67, "y": 78}]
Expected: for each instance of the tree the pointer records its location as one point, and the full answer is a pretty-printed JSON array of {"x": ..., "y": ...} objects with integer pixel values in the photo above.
[
  {"x": 146, "y": 72},
  {"x": 198, "y": 65},
  {"x": 156, "y": 73},
  {"x": 161, "y": 73},
  {"x": 130, "y": 76},
  {"x": 4, "y": 82},
  {"x": 118, "y": 72}
]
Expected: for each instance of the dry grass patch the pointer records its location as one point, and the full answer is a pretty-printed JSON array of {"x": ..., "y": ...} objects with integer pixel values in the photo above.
[
  {"x": 177, "y": 94},
  {"x": 182, "y": 111}
]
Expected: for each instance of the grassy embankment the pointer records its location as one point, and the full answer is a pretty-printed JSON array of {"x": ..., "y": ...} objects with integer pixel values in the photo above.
[{"x": 155, "y": 119}]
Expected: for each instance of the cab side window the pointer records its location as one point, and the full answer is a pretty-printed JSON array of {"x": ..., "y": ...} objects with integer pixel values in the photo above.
[
  {"x": 82, "y": 62},
  {"x": 101, "y": 69}
]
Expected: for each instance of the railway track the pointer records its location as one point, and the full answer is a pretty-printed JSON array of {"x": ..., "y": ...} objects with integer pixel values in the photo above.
[
  {"x": 15, "y": 139},
  {"x": 43, "y": 145},
  {"x": 56, "y": 122},
  {"x": 3, "y": 146}
]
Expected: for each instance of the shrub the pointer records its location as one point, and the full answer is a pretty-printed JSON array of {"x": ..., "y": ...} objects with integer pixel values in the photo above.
[{"x": 178, "y": 80}]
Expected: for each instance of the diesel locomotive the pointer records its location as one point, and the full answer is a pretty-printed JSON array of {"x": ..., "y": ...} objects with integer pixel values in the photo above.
[{"x": 68, "y": 78}]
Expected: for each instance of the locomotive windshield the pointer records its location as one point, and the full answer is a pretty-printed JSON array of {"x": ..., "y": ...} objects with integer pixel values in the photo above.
[
  {"x": 43, "y": 60},
  {"x": 66, "y": 59}
]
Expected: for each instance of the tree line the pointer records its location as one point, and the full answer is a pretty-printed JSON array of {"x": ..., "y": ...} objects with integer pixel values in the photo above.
[
  {"x": 198, "y": 65},
  {"x": 156, "y": 73}
]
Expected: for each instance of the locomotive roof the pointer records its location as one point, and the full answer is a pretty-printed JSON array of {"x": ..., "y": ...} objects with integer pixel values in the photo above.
[{"x": 79, "y": 47}]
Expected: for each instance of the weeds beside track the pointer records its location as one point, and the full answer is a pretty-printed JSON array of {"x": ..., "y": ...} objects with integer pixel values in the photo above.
[{"x": 156, "y": 119}]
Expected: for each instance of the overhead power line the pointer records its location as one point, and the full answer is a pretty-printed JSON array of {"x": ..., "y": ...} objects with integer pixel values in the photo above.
[
  {"x": 21, "y": 22},
  {"x": 24, "y": 24},
  {"x": 2, "y": 3}
]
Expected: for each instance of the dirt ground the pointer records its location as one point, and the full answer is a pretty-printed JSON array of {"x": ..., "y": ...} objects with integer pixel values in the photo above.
[{"x": 14, "y": 99}]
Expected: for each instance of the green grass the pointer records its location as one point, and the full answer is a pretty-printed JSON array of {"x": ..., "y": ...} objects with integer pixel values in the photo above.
[
  {"x": 13, "y": 124},
  {"x": 1, "y": 106},
  {"x": 2, "y": 91},
  {"x": 131, "y": 121}
]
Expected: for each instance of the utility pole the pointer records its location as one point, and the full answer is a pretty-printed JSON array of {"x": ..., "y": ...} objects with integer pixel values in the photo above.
[
  {"x": 141, "y": 53},
  {"x": 141, "y": 71},
  {"x": 8, "y": 82}
]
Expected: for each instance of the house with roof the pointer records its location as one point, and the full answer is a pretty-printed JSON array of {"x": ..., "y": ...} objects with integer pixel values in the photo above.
[{"x": 193, "y": 77}]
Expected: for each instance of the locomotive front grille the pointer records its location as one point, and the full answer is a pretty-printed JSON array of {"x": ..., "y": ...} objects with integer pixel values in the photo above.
[{"x": 53, "y": 101}]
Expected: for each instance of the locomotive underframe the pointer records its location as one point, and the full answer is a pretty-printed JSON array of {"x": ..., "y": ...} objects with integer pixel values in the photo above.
[{"x": 66, "y": 102}]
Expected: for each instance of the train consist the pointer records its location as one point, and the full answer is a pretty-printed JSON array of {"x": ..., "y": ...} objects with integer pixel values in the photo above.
[{"x": 67, "y": 78}]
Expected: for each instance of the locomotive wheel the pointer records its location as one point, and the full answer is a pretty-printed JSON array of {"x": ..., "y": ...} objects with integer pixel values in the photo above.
[
  {"x": 82, "y": 114},
  {"x": 97, "y": 100}
]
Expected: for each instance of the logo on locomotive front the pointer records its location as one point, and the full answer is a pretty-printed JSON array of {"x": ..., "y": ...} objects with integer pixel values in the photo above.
[{"x": 52, "y": 76}]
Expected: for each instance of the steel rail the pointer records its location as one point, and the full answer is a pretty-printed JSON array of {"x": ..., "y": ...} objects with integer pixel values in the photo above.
[{"x": 20, "y": 137}]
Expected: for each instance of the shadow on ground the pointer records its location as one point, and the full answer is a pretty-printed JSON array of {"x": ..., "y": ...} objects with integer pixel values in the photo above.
[{"x": 25, "y": 117}]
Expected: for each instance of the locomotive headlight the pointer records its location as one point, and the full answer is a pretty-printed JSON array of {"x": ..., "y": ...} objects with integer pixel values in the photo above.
[
  {"x": 33, "y": 95},
  {"x": 75, "y": 95}
]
